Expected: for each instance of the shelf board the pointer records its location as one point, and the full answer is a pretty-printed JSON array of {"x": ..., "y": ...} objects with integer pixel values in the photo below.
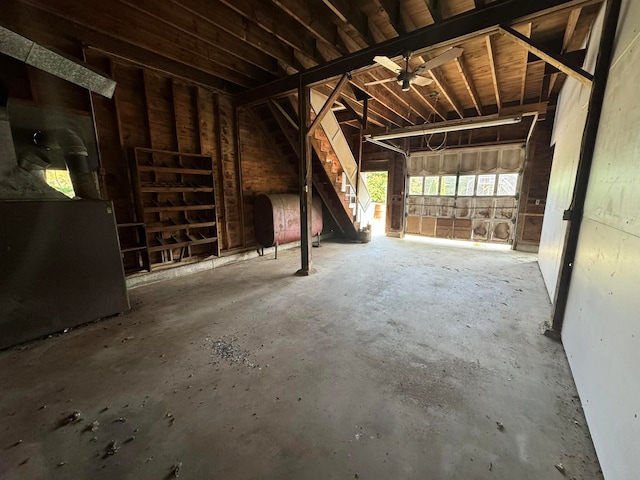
[
  {"x": 175, "y": 189},
  {"x": 157, "y": 248},
  {"x": 183, "y": 226},
  {"x": 178, "y": 208},
  {"x": 167, "y": 152},
  {"x": 180, "y": 170},
  {"x": 127, "y": 225},
  {"x": 132, "y": 249}
]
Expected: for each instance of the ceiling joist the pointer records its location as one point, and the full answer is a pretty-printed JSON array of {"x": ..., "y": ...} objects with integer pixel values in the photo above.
[
  {"x": 456, "y": 29},
  {"x": 543, "y": 54}
]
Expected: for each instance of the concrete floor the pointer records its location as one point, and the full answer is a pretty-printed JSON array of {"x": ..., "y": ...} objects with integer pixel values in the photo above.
[{"x": 396, "y": 360}]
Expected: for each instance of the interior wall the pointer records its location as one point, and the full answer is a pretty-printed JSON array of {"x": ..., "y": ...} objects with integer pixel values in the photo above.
[
  {"x": 535, "y": 183},
  {"x": 264, "y": 169},
  {"x": 601, "y": 332}
]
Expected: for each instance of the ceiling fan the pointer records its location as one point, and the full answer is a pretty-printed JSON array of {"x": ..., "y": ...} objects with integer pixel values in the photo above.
[{"x": 406, "y": 77}]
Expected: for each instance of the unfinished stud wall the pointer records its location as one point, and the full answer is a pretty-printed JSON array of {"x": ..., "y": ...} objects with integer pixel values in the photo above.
[
  {"x": 535, "y": 183},
  {"x": 601, "y": 332},
  {"x": 153, "y": 110}
]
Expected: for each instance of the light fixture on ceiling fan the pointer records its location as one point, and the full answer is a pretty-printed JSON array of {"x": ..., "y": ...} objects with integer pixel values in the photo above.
[{"x": 406, "y": 77}]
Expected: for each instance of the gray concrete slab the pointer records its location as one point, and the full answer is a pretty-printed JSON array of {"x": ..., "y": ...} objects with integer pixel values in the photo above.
[{"x": 396, "y": 360}]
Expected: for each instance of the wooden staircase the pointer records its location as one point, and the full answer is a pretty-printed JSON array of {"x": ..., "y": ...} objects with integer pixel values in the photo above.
[{"x": 327, "y": 172}]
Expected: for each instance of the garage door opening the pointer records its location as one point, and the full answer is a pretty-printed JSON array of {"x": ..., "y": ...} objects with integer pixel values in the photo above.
[
  {"x": 376, "y": 214},
  {"x": 467, "y": 194}
]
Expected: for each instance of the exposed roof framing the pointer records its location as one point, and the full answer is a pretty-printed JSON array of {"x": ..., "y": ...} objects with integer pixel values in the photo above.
[{"x": 263, "y": 48}]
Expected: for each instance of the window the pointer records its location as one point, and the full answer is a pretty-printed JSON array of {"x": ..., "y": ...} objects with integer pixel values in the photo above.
[
  {"x": 448, "y": 185},
  {"x": 507, "y": 184},
  {"x": 416, "y": 185},
  {"x": 465, "y": 185},
  {"x": 486, "y": 185},
  {"x": 431, "y": 185},
  {"x": 61, "y": 181}
]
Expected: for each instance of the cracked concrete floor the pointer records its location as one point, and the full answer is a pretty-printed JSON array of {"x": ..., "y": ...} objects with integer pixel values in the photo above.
[{"x": 396, "y": 360}]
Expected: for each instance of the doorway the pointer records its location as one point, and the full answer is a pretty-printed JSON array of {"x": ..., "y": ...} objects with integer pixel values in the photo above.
[{"x": 375, "y": 215}]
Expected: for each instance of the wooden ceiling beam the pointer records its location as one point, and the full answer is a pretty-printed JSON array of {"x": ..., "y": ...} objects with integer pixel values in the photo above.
[
  {"x": 526, "y": 30},
  {"x": 348, "y": 12},
  {"x": 391, "y": 10},
  {"x": 168, "y": 42},
  {"x": 269, "y": 17},
  {"x": 180, "y": 18},
  {"x": 235, "y": 24},
  {"x": 455, "y": 29},
  {"x": 314, "y": 22},
  {"x": 431, "y": 103},
  {"x": 468, "y": 83},
  {"x": 492, "y": 67},
  {"x": 39, "y": 25},
  {"x": 551, "y": 58},
  {"x": 410, "y": 101},
  {"x": 444, "y": 88},
  {"x": 572, "y": 23},
  {"x": 385, "y": 98},
  {"x": 435, "y": 9}
]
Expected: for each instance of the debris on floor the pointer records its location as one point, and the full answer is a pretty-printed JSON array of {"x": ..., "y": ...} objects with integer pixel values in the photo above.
[
  {"x": 74, "y": 417},
  {"x": 225, "y": 349},
  {"x": 560, "y": 468},
  {"x": 93, "y": 426},
  {"x": 112, "y": 448},
  {"x": 176, "y": 470}
]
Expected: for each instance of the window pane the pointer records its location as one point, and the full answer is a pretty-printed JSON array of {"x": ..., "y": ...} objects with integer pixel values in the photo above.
[
  {"x": 415, "y": 185},
  {"x": 431, "y": 185},
  {"x": 507, "y": 184},
  {"x": 448, "y": 185},
  {"x": 486, "y": 184},
  {"x": 61, "y": 181},
  {"x": 465, "y": 185}
]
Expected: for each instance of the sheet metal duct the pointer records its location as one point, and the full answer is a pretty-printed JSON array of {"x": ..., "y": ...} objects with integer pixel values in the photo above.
[{"x": 31, "y": 53}]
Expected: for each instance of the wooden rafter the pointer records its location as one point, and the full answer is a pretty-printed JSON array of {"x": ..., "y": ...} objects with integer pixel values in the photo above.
[
  {"x": 523, "y": 81},
  {"x": 151, "y": 36},
  {"x": 431, "y": 103},
  {"x": 492, "y": 67},
  {"x": 317, "y": 25},
  {"x": 348, "y": 13},
  {"x": 385, "y": 98},
  {"x": 269, "y": 18},
  {"x": 391, "y": 9},
  {"x": 182, "y": 19},
  {"x": 444, "y": 88},
  {"x": 455, "y": 29},
  {"x": 435, "y": 9},
  {"x": 572, "y": 23},
  {"x": 569, "y": 31},
  {"x": 549, "y": 57},
  {"x": 235, "y": 24},
  {"x": 468, "y": 83}
]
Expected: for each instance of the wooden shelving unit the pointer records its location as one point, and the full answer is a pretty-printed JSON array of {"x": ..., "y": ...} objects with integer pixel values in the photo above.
[{"x": 175, "y": 198}]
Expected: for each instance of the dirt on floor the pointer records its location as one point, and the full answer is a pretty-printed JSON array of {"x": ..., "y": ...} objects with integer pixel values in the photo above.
[{"x": 397, "y": 359}]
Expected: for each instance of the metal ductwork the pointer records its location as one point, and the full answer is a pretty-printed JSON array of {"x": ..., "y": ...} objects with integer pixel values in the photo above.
[{"x": 69, "y": 69}]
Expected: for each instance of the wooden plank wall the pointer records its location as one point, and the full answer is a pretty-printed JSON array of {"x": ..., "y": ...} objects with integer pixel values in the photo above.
[
  {"x": 156, "y": 111},
  {"x": 264, "y": 168},
  {"x": 535, "y": 183}
]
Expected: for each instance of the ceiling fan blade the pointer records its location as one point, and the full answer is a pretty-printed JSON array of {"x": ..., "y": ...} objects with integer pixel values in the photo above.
[
  {"x": 378, "y": 82},
  {"x": 439, "y": 60},
  {"x": 422, "y": 81},
  {"x": 386, "y": 62}
]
